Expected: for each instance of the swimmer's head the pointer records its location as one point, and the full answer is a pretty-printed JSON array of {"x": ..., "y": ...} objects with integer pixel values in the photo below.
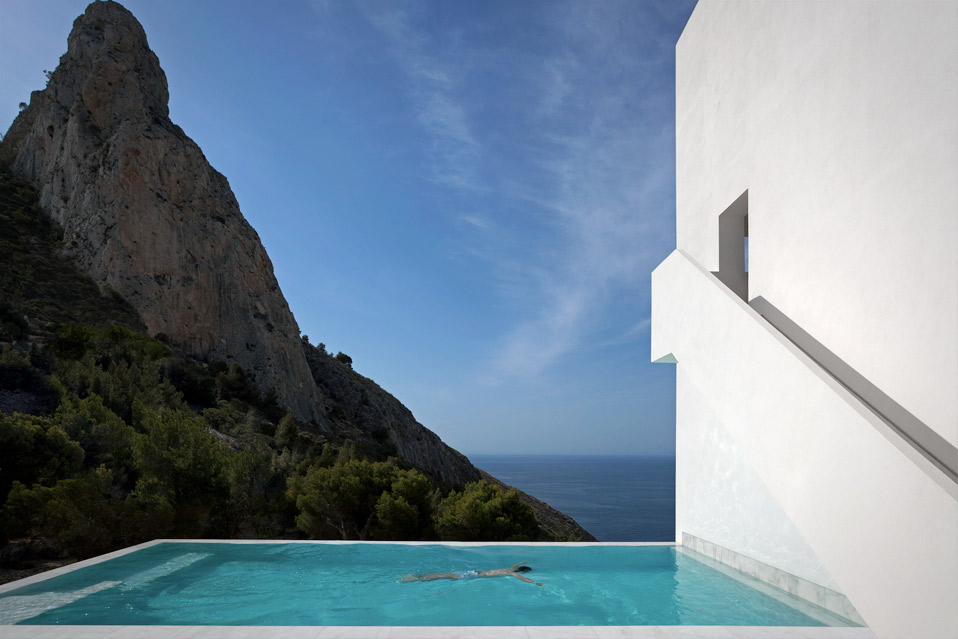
[{"x": 522, "y": 569}]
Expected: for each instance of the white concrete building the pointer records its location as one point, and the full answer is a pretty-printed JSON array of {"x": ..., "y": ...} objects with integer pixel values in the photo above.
[{"x": 817, "y": 393}]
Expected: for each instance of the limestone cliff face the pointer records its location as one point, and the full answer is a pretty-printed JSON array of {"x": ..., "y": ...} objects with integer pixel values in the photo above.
[{"x": 145, "y": 214}]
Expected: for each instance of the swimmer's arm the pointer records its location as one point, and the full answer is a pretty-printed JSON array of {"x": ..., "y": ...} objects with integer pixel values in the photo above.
[
  {"x": 514, "y": 566},
  {"x": 525, "y": 579}
]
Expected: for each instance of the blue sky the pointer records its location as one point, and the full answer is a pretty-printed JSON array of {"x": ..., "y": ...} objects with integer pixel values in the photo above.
[{"x": 468, "y": 198}]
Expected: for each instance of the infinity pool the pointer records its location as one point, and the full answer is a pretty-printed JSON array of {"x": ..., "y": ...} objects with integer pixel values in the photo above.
[{"x": 336, "y": 584}]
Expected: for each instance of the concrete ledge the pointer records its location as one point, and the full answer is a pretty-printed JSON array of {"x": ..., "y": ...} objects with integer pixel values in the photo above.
[{"x": 830, "y": 600}]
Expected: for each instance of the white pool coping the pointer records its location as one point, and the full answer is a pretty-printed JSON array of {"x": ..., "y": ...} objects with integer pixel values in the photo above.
[
  {"x": 399, "y": 632},
  {"x": 430, "y": 632}
]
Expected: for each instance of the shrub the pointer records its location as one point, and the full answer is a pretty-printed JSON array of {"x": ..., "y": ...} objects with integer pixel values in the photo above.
[
  {"x": 197, "y": 385},
  {"x": 405, "y": 512},
  {"x": 35, "y": 450},
  {"x": 13, "y": 325},
  {"x": 257, "y": 485},
  {"x": 84, "y": 515},
  {"x": 234, "y": 384},
  {"x": 16, "y": 371},
  {"x": 106, "y": 439},
  {"x": 340, "y": 501},
  {"x": 73, "y": 341},
  {"x": 485, "y": 512},
  {"x": 359, "y": 499},
  {"x": 181, "y": 463}
]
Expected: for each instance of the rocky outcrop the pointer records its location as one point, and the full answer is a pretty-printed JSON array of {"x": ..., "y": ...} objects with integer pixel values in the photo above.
[
  {"x": 144, "y": 214},
  {"x": 366, "y": 415}
]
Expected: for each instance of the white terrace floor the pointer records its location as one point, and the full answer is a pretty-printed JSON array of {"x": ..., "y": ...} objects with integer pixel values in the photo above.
[{"x": 430, "y": 632}]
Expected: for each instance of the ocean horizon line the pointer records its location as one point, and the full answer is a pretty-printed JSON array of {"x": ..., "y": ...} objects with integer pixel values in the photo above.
[{"x": 578, "y": 455}]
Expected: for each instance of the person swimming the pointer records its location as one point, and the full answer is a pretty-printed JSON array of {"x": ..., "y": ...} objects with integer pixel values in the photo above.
[{"x": 512, "y": 571}]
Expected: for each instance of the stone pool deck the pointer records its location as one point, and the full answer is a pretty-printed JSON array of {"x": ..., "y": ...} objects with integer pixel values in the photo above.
[{"x": 431, "y": 632}]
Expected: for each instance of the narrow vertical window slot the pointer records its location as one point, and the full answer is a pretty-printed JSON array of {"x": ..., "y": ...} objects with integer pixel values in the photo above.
[
  {"x": 733, "y": 247},
  {"x": 746, "y": 247}
]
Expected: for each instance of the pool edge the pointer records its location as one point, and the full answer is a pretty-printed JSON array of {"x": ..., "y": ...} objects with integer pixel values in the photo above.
[
  {"x": 834, "y": 602},
  {"x": 429, "y": 632},
  {"x": 62, "y": 570}
]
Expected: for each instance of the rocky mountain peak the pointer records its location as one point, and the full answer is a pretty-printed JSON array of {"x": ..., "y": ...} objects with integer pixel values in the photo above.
[
  {"x": 109, "y": 42},
  {"x": 145, "y": 215}
]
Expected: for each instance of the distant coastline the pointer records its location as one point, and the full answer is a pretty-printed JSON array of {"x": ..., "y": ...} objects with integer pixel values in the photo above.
[{"x": 614, "y": 497}]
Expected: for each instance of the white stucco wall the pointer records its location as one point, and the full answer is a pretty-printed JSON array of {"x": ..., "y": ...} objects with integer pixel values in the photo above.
[
  {"x": 763, "y": 432},
  {"x": 841, "y": 120},
  {"x": 728, "y": 503}
]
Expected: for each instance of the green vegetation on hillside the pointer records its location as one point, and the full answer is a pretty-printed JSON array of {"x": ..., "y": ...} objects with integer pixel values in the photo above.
[{"x": 122, "y": 456}]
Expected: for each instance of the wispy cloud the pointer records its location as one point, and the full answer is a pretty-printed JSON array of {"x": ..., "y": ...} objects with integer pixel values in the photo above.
[
  {"x": 606, "y": 145},
  {"x": 534, "y": 345},
  {"x": 476, "y": 222},
  {"x": 454, "y": 151},
  {"x": 637, "y": 330},
  {"x": 555, "y": 86},
  {"x": 571, "y": 151}
]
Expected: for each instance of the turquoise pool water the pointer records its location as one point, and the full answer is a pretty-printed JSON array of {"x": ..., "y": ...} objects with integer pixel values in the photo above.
[{"x": 360, "y": 584}]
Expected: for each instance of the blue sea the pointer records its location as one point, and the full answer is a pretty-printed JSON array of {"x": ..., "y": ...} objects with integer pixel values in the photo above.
[{"x": 614, "y": 498}]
